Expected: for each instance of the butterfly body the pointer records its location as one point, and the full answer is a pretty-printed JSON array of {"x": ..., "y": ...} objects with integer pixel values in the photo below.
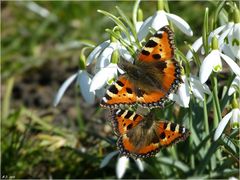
[
  {"x": 151, "y": 78},
  {"x": 144, "y": 136},
  {"x": 145, "y": 75}
]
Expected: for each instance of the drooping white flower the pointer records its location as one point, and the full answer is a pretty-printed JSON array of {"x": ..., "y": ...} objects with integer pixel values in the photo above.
[
  {"x": 103, "y": 76},
  {"x": 213, "y": 63},
  {"x": 96, "y": 52},
  {"x": 233, "y": 116},
  {"x": 122, "y": 165},
  {"x": 228, "y": 40},
  {"x": 189, "y": 86},
  {"x": 160, "y": 19},
  {"x": 234, "y": 86},
  {"x": 83, "y": 80}
]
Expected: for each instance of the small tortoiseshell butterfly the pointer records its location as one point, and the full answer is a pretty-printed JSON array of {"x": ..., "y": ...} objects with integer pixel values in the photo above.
[
  {"x": 142, "y": 137},
  {"x": 152, "y": 76}
]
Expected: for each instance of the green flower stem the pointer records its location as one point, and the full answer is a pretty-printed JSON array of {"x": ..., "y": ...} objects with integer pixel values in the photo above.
[
  {"x": 191, "y": 141},
  {"x": 135, "y": 12},
  {"x": 160, "y": 5},
  {"x": 205, "y": 116},
  {"x": 216, "y": 100},
  {"x": 215, "y": 116}
]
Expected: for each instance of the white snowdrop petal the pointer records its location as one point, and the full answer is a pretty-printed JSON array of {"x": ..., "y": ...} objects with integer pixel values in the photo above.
[
  {"x": 96, "y": 52},
  {"x": 84, "y": 82},
  {"x": 182, "y": 96},
  {"x": 235, "y": 119},
  {"x": 216, "y": 32},
  {"x": 63, "y": 88},
  {"x": 196, "y": 46},
  {"x": 207, "y": 65},
  {"x": 197, "y": 88},
  {"x": 225, "y": 48},
  {"x": 198, "y": 93},
  {"x": 144, "y": 29},
  {"x": 105, "y": 57},
  {"x": 235, "y": 83},
  {"x": 199, "y": 85},
  {"x": 100, "y": 79},
  {"x": 235, "y": 68},
  {"x": 156, "y": 21},
  {"x": 180, "y": 23},
  {"x": 125, "y": 54},
  {"x": 159, "y": 20},
  {"x": 122, "y": 165},
  {"x": 140, "y": 164},
  {"x": 234, "y": 40},
  {"x": 223, "y": 36},
  {"x": 217, "y": 63},
  {"x": 138, "y": 25},
  {"x": 221, "y": 126}
]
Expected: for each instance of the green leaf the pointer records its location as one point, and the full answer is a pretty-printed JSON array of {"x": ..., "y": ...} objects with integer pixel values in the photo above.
[
  {"x": 174, "y": 163},
  {"x": 118, "y": 22},
  {"x": 205, "y": 32},
  {"x": 130, "y": 25}
]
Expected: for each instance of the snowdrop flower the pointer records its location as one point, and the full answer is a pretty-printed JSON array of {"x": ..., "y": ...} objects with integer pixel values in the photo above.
[
  {"x": 234, "y": 86},
  {"x": 122, "y": 165},
  {"x": 82, "y": 79},
  {"x": 213, "y": 63},
  {"x": 160, "y": 19},
  {"x": 189, "y": 85},
  {"x": 233, "y": 116},
  {"x": 104, "y": 76},
  {"x": 228, "y": 39},
  {"x": 102, "y": 54}
]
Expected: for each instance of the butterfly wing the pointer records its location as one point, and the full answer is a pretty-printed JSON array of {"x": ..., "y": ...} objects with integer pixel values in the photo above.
[
  {"x": 123, "y": 91},
  {"x": 124, "y": 120},
  {"x": 160, "y": 47},
  {"x": 160, "y": 50},
  {"x": 141, "y": 140}
]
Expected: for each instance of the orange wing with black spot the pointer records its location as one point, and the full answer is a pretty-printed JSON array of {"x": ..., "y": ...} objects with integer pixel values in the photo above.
[
  {"x": 123, "y": 120},
  {"x": 160, "y": 47},
  {"x": 124, "y": 92},
  {"x": 142, "y": 137}
]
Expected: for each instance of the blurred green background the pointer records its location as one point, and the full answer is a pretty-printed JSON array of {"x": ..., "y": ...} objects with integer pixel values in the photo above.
[{"x": 40, "y": 47}]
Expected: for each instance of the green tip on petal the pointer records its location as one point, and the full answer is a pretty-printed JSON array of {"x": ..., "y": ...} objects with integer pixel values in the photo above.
[
  {"x": 160, "y": 5},
  {"x": 214, "y": 43},
  {"x": 140, "y": 15},
  {"x": 110, "y": 81},
  {"x": 235, "y": 125},
  {"x": 236, "y": 16},
  {"x": 217, "y": 68},
  {"x": 115, "y": 57},
  {"x": 234, "y": 102}
]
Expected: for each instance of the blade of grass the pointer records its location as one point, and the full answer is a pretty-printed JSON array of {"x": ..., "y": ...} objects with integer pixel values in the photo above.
[{"x": 7, "y": 97}]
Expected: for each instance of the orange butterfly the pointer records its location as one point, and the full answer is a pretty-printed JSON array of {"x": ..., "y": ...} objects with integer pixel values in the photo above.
[
  {"x": 152, "y": 76},
  {"x": 142, "y": 137}
]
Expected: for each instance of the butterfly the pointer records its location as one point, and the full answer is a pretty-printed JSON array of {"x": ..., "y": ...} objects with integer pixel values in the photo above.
[
  {"x": 142, "y": 137},
  {"x": 151, "y": 78}
]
